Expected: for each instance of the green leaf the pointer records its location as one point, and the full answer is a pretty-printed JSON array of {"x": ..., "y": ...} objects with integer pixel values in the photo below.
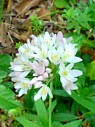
[
  {"x": 62, "y": 93},
  {"x": 91, "y": 70},
  {"x": 84, "y": 102},
  {"x": 25, "y": 122},
  {"x": 80, "y": 66},
  {"x": 42, "y": 113},
  {"x": 9, "y": 85},
  {"x": 3, "y": 74},
  {"x": 60, "y": 4},
  {"x": 5, "y": 62},
  {"x": 57, "y": 124},
  {"x": 7, "y": 100},
  {"x": 29, "y": 99},
  {"x": 5, "y": 59},
  {"x": 80, "y": 100},
  {"x": 31, "y": 117},
  {"x": 75, "y": 123},
  {"x": 63, "y": 117},
  {"x": 54, "y": 103}
]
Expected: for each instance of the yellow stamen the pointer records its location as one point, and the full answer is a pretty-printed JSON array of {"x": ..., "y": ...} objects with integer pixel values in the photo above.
[
  {"x": 64, "y": 73},
  {"x": 43, "y": 90},
  {"x": 24, "y": 85},
  {"x": 26, "y": 50},
  {"x": 55, "y": 57}
]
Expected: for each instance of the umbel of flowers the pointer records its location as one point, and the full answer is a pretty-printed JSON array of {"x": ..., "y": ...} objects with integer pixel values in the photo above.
[{"x": 36, "y": 60}]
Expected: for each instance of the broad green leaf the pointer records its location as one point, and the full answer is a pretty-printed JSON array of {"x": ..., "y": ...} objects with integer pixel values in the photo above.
[
  {"x": 7, "y": 100},
  {"x": 1, "y": 80},
  {"x": 79, "y": 99},
  {"x": 3, "y": 74},
  {"x": 9, "y": 85},
  {"x": 80, "y": 66},
  {"x": 93, "y": 124},
  {"x": 31, "y": 117},
  {"x": 25, "y": 122},
  {"x": 63, "y": 117},
  {"x": 5, "y": 62},
  {"x": 83, "y": 101},
  {"x": 5, "y": 59},
  {"x": 91, "y": 70},
  {"x": 60, "y": 4},
  {"x": 29, "y": 99},
  {"x": 62, "y": 93},
  {"x": 42, "y": 112},
  {"x": 75, "y": 123},
  {"x": 57, "y": 124}
]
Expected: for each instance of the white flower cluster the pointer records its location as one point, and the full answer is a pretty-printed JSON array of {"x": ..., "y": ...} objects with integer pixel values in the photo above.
[{"x": 36, "y": 60}]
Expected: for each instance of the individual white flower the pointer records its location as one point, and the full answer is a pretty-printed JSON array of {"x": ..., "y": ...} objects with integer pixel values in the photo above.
[
  {"x": 25, "y": 50},
  {"x": 38, "y": 67},
  {"x": 48, "y": 39},
  {"x": 22, "y": 86},
  {"x": 39, "y": 53},
  {"x": 70, "y": 86},
  {"x": 54, "y": 55},
  {"x": 42, "y": 93},
  {"x": 60, "y": 41},
  {"x": 17, "y": 75},
  {"x": 21, "y": 64},
  {"x": 69, "y": 53},
  {"x": 35, "y": 41},
  {"x": 67, "y": 73}
]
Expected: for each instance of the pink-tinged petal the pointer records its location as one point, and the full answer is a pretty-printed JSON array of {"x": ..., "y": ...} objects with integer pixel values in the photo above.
[
  {"x": 33, "y": 81},
  {"x": 40, "y": 78},
  {"x": 45, "y": 62},
  {"x": 23, "y": 74},
  {"x": 45, "y": 75},
  {"x": 38, "y": 67},
  {"x": 38, "y": 85},
  {"x": 59, "y": 39},
  {"x": 74, "y": 87},
  {"x": 63, "y": 81},
  {"x": 35, "y": 74},
  {"x": 59, "y": 35}
]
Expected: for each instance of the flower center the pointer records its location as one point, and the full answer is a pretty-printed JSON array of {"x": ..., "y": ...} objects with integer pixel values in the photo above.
[
  {"x": 24, "y": 85},
  {"x": 55, "y": 57},
  {"x": 43, "y": 54},
  {"x": 43, "y": 91},
  {"x": 47, "y": 41},
  {"x": 64, "y": 73},
  {"x": 26, "y": 50}
]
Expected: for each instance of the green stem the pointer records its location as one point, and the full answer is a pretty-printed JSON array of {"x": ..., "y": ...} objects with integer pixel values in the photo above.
[{"x": 50, "y": 108}]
